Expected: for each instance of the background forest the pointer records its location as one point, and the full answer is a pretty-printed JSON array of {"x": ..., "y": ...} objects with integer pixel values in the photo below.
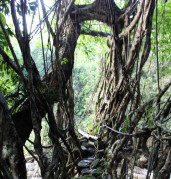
[{"x": 92, "y": 57}]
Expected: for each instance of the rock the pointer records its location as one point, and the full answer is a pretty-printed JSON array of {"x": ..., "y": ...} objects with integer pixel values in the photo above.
[
  {"x": 84, "y": 163},
  {"x": 95, "y": 163},
  {"x": 85, "y": 171},
  {"x": 142, "y": 161},
  {"x": 86, "y": 151},
  {"x": 83, "y": 148},
  {"x": 140, "y": 173},
  {"x": 91, "y": 158}
]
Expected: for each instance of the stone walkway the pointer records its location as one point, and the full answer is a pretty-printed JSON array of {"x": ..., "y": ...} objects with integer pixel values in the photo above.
[{"x": 89, "y": 166}]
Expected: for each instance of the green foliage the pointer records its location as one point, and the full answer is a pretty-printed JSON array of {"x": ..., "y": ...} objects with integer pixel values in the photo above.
[
  {"x": 127, "y": 121},
  {"x": 149, "y": 74},
  {"x": 33, "y": 5},
  {"x": 121, "y": 4},
  {"x": 86, "y": 75},
  {"x": 3, "y": 42},
  {"x": 83, "y": 1},
  {"x": 64, "y": 61},
  {"x": 84, "y": 83},
  {"x": 9, "y": 83},
  {"x": 37, "y": 54},
  {"x": 4, "y": 6},
  {"x": 150, "y": 123},
  {"x": 45, "y": 140},
  {"x": 3, "y": 19},
  {"x": 96, "y": 131},
  {"x": 164, "y": 36}
]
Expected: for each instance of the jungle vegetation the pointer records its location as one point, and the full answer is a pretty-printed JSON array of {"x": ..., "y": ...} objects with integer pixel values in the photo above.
[{"x": 101, "y": 66}]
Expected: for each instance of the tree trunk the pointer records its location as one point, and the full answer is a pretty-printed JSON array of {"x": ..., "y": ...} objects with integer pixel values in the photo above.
[
  {"x": 118, "y": 106},
  {"x": 165, "y": 171},
  {"x": 11, "y": 152}
]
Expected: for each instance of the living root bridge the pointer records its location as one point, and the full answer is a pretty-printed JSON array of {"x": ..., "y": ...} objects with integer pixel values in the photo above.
[
  {"x": 119, "y": 105},
  {"x": 120, "y": 109}
]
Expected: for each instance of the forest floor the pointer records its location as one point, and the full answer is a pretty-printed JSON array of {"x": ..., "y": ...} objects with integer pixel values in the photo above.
[
  {"x": 34, "y": 171},
  {"x": 89, "y": 166}
]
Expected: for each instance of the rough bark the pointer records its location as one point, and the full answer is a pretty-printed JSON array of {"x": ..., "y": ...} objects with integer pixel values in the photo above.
[
  {"x": 119, "y": 89},
  {"x": 11, "y": 153},
  {"x": 166, "y": 169}
]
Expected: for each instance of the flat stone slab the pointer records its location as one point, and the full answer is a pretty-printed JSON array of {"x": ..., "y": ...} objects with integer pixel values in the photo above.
[
  {"x": 84, "y": 163},
  {"x": 91, "y": 158},
  {"x": 85, "y": 171}
]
